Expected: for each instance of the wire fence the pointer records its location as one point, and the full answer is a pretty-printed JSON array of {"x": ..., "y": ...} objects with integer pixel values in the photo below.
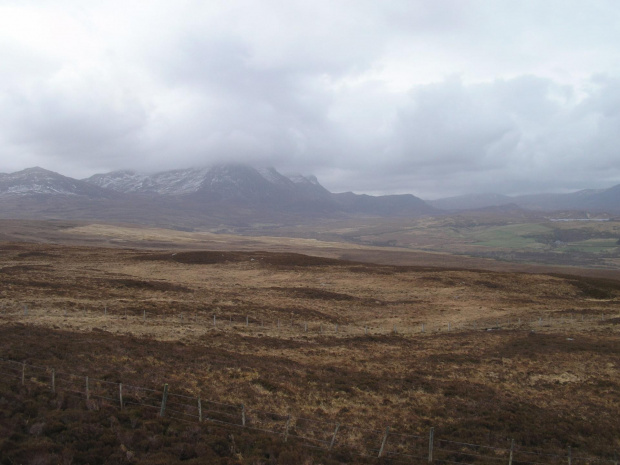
[
  {"x": 313, "y": 433},
  {"x": 297, "y": 326}
]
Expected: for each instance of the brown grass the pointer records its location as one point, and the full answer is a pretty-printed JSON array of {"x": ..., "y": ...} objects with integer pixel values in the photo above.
[{"x": 547, "y": 386}]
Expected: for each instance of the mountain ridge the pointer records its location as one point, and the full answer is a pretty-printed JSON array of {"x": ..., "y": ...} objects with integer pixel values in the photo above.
[{"x": 194, "y": 197}]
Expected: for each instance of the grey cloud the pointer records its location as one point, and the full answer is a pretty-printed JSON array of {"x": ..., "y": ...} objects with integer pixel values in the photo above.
[{"x": 347, "y": 90}]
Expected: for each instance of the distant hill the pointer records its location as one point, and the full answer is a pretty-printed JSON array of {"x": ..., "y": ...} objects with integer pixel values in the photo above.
[
  {"x": 40, "y": 182},
  {"x": 471, "y": 201},
  {"x": 593, "y": 200}
]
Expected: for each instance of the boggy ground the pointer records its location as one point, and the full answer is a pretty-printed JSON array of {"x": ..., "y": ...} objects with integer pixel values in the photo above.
[{"x": 546, "y": 376}]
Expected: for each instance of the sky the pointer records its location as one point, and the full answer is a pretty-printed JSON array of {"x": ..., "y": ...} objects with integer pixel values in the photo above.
[{"x": 433, "y": 98}]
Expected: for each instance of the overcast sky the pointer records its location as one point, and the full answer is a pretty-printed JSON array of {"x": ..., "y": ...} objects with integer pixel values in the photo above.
[{"x": 430, "y": 97}]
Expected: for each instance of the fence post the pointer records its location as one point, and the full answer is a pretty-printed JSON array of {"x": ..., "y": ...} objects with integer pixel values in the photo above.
[
  {"x": 120, "y": 395},
  {"x": 431, "y": 438},
  {"x": 214, "y": 323},
  {"x": 365, "y": 330},
  {"x": 144, "y": 315},
  {"x": 164, "y": 399},
  {"x": 385, "y": 436},
  {"x": 23, "y": 373},
  {"x": 512, "y": 448},
  {"x": 199, "y": 410},
  {"x": 247, "y": 321},
  {"x": 242, "y": 414},
  {"x": 331, "y": 444},
  {"x": 53, "y": 381},
  {"x": 306, "y": 327},
  {"x": 105, "y": 310},
  {"x": 570, "y": 455},
  {"x": 26, "y": 310},
  {"x": 288, "y": 424},
  {"x": 394, "y": 329},
  {"x": 87, "y": 390}
]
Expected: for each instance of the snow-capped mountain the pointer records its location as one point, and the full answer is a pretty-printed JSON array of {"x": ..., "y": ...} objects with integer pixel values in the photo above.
[
  {"x": 219, "y": 183},
  {"x": 41, "y": 182},
  {"x": 224, "y": 181},
  {"x": 191, "y": 198}
]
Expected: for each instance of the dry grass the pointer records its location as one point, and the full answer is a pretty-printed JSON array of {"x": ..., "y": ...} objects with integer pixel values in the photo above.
[{"x": 547, "y": 386}]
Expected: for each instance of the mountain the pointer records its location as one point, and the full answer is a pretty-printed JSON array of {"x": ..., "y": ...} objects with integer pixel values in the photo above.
[
  {"x": 594, "y": 200},
  {"x": 385, "y": 205},
  {"x": 230, "y": 184},
  {"x": 40, "y": 182},
  {"x": 471, "y": 201},
  {"x": 221, "y": 195},
  {"x": 588, "y": 199}
]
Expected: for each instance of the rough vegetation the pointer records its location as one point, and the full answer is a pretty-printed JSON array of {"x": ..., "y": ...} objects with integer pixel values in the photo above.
[{"x": 529, "y": 357}]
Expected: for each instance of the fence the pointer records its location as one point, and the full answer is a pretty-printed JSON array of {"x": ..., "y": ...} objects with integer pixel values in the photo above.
[
  {"x": 247, "y": 322},
  {"x": 313, "y": 433}
]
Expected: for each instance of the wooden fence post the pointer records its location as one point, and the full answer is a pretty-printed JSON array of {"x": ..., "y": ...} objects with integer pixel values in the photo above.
[
  {"x": 26, "y": 310},
  {"x": 365, "y": 330},
  {"x": 288, "y": 424},
  {"x": 385, "y": 436},
  {"x": 431, "y": 438},
  {"x": 242, "y": 414},
  {"x": 199, "y": 410},
  {"x": 247, "y": 321},
  {"x": 512, "y": 448},
  {"x": 570, "y": 455},
  {"x": 87, "y": 390},
  {"x": 120, "y": 395},
  {"x": 164, "y": 399},
  {"x": 23, "y": 373},
  {"x": 306, "y": 327},
  {"x": 331, "y": 444},
  {"x": 214, "y": 322},
  {"x": 105, "y": 310},
  {"x": 53, "y": 381}
]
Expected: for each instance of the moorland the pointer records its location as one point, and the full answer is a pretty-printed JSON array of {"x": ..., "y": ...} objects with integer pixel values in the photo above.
[{"x": 353, "y": 325}]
